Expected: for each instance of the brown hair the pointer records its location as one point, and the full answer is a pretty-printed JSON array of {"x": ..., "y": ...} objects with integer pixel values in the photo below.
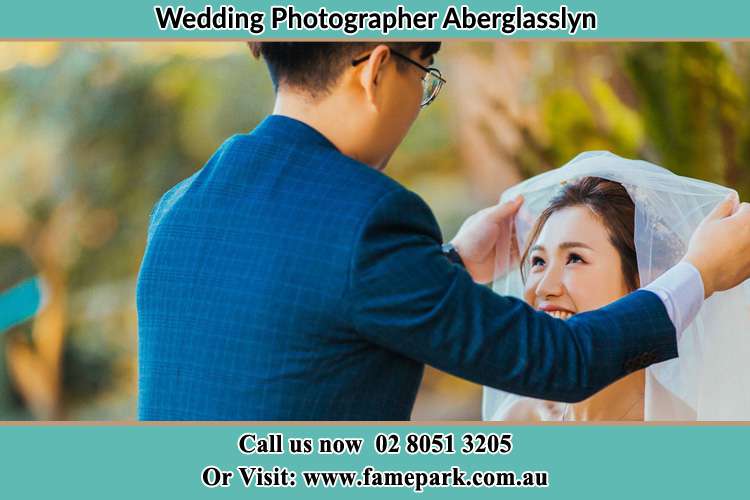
[
  {"x": 612, "y": 205},
  {"x": 315, "y": 66}
]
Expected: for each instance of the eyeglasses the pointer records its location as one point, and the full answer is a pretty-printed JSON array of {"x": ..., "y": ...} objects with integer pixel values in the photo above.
[{"x": 432, "y": 81}]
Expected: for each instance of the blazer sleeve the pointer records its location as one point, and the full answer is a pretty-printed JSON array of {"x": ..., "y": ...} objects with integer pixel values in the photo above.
[{"x": 404, "y": 295}]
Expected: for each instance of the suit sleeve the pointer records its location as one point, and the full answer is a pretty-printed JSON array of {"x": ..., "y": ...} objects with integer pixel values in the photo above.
[{"x": 404, "y": 295}]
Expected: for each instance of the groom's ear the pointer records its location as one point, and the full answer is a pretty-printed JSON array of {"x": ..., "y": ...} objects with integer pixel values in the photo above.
[{"x": 372, "y": 73}]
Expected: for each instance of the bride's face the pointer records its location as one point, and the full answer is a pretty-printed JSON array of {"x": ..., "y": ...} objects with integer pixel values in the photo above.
[{"x": 573, "y": 265}]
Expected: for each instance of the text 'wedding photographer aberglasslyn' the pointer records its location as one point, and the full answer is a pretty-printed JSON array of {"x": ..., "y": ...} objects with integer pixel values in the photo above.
[{"x": 289, "y": 19}]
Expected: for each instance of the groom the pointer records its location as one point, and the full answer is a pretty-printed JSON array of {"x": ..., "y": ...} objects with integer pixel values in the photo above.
[{"x": 290, "y": 279}]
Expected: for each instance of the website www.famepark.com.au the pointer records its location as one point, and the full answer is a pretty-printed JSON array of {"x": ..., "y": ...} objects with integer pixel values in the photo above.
[{"x": 370, "y": 477}]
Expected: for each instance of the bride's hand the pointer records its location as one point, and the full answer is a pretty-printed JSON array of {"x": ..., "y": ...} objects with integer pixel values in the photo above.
[
  {"x": 720, "y": 246},
  {"x": 484, "y": 233}
]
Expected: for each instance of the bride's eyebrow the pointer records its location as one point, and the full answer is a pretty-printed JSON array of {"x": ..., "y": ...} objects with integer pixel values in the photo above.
[{"x": 573, "y": 244}]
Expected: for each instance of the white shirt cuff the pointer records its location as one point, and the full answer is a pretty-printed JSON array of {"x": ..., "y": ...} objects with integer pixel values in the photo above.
[{"x": 681, "y": 290}]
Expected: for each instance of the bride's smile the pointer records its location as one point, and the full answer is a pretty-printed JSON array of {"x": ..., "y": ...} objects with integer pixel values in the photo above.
[{"x": 558, "y": 313}]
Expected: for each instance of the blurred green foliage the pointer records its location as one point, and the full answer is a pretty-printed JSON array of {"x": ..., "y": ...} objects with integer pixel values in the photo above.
[{"x": 694, "y": 102}]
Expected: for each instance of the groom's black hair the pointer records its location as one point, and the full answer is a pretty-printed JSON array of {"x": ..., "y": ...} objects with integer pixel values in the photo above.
[{"x": 314, "y": 67}]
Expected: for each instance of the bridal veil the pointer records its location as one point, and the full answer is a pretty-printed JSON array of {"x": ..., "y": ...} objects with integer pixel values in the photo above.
[{"x": 711, "y": 378}]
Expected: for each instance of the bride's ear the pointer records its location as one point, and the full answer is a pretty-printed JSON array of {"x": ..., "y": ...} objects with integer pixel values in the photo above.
[{"x": 371, "y": 75}]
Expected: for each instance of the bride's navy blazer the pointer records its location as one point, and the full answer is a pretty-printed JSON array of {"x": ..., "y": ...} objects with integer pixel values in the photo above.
[{"x": 286, "y": 281}]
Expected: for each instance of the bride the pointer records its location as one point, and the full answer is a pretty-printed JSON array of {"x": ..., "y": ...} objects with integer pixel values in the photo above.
[{"x": 596, "y": 229}]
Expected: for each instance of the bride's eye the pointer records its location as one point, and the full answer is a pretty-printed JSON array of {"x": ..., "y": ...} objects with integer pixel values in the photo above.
[
  {"x": 575, "y": 258},
  {"x": 537, "y": 262}
]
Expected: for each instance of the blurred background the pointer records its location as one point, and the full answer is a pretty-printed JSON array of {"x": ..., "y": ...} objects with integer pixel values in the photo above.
[{"x": 91, "y": 135}]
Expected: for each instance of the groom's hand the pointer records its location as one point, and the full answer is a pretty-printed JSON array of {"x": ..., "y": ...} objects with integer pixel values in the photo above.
[
  {"x": 720, "y": 246},
  {"x": 482, "y": 235}
]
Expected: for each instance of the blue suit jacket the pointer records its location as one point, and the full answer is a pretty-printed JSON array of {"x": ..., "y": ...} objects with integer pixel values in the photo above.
[{"x": 286, "y": 281}]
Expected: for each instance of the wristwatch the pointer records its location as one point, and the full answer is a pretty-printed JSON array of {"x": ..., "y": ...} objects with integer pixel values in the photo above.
[{"x": 450, "y": 252}]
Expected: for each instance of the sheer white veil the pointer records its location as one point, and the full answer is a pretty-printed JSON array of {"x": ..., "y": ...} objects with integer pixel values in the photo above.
[{"x": 711, "y": 378}]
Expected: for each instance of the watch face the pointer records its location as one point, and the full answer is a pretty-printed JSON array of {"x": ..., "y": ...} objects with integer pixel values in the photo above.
[{"x": 450, "y": 252}]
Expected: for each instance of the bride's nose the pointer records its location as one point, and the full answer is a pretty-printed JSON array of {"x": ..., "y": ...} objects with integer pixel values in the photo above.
[{"x": 551, "y": 283}]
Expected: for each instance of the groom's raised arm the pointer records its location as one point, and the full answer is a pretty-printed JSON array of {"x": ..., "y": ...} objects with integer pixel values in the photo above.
[{"x": 406, "y": 296}]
